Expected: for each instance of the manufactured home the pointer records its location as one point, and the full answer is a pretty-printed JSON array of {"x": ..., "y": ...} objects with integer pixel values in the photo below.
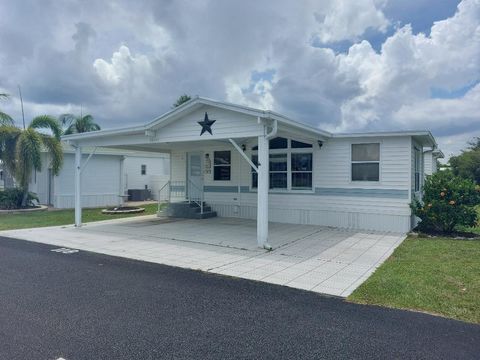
[
  {"x": 108, "y": 175},
  {"x": 430, "y": 157},
  {"x": 236, "y": 161}
]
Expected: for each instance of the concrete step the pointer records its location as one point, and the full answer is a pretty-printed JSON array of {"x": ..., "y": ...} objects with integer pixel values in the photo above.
[
  {"x": 206, "y": 215},
  {"x": 189, "y": 211}
]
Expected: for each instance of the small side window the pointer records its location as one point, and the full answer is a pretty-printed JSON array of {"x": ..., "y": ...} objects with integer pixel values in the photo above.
[
  {"x": 143, "y": 170},
  {"x": 366, "y": 162}
]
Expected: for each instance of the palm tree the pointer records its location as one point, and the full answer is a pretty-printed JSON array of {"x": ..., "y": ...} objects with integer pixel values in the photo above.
[
  {"x": 78, "y": 124},
  {"x": 21, "y": 149},
  {"x": 181, "y": 99},
  {"x": 5, "y": 119}
]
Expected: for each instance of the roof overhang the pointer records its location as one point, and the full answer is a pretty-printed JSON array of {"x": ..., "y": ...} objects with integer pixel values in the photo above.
[
  {"x": 438, "y": 154},
  {"x": 425, "y": 137}
]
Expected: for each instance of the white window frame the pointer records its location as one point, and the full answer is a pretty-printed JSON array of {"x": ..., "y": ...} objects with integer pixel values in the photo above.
[
  {"x": 379, "y": 161},
  {"x": 289, "y": 151}
]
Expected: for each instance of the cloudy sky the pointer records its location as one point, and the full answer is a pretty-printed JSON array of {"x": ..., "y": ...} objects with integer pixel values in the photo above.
[{"x": 341, "y": 65}]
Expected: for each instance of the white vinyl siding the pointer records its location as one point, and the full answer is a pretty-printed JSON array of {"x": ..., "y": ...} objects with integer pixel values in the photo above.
[
  {"x": 429, "y": 163},
  {"x": 331, "y": 170},
  {"x": 102, "y": 189},
  {"x": 100, "y": 179},
  {"x": 187, "y": 127},
  {"x": 158, "y": 173}
]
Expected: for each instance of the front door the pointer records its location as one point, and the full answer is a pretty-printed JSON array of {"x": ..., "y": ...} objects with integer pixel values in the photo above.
[{"x": 194, "y": 174}]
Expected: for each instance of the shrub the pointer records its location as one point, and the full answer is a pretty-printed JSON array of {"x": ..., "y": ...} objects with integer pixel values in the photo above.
[
  {"x": 12, "y": 199},
  {"x": 448, "y": 201}
]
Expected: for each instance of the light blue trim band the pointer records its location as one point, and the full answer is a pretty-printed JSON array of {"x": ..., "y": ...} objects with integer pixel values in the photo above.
[
  {"x": 347, "y": 192},
  {"x": 177, "y": 188},
  {"x": 220, "y": 189},
  {"x": 359, "y": 192}
]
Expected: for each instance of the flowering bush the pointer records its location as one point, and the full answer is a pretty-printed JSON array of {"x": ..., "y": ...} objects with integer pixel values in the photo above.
[{"x": 448, "y": 201}]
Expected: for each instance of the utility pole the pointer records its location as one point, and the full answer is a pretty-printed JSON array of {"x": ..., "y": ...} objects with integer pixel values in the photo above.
[{"x": 21, "y": 102}]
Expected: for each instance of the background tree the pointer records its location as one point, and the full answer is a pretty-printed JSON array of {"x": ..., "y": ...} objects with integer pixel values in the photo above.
[
  {"x": 21, "y": 149},
  {"x": 5, "y": 119},
  {"x": 467, "y": 164},
  {"x": 182, "y": 99},
  {"x": 78, "y": 124},
  {"x": 474, "y": 144}
]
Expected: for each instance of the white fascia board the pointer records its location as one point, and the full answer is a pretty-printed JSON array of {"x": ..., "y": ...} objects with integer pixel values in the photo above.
[
  {"x": 413, "y": 133},
  {"x": 381, "y": 133},
  {"x": 103, "y": 133}
]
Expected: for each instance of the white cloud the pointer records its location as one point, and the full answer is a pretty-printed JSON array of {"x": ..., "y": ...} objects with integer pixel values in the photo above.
[
  {"x": 397, "y": 82},
  {"x": 123, "y": 67},
  {"x": 347, "y": 20}
]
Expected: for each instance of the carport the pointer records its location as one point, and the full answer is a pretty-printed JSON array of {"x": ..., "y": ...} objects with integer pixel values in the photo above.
[{"x": 182, "y": 128}]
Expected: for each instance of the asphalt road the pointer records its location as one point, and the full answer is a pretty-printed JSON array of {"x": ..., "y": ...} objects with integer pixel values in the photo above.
[{"x": 90, "y": 306}]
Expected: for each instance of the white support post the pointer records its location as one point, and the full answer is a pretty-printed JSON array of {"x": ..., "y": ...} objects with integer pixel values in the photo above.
[
  {"x": 262, "y": 192},
  {"x": 78, "y": 182},
  {"x": 121, "y": 183}
]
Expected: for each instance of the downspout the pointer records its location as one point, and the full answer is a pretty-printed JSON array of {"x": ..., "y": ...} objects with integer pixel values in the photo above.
[{"x": 273, "y": 133}]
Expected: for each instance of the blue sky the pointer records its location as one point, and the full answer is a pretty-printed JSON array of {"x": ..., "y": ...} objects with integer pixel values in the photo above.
[{"x": 336, "y": 64}]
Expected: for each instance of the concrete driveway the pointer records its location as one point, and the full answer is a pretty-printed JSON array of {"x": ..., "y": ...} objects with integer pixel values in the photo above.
[{"x": 320, "y": 259}]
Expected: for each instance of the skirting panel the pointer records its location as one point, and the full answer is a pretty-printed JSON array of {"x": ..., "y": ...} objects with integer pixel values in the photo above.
[{"x": 341, "y": 219}]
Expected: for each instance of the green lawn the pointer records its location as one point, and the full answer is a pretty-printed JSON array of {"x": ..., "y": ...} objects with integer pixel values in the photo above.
[
  {"x": 60, "y": 217},
  {"x": 434, "y": 275}
]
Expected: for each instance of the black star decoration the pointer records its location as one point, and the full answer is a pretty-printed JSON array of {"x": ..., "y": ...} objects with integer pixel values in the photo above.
[{"x": 206, "y": 124}]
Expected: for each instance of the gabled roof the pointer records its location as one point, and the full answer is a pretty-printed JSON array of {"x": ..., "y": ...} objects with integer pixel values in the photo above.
[
  {"x": 424, "y": 136},
  {"x": 191, "y": 105}
]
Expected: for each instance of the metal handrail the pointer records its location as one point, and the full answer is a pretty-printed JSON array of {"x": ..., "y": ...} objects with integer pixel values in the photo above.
[
  {"x": 197, "y": 198},
  {"x": 167, "y": 184},
  {"x": 179, "y": 189}
]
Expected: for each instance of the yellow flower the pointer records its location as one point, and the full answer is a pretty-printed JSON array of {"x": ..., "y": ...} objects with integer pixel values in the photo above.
[
  {"x": 429, "y": 205},
  {"x": 451, "y": 202},
  {"x": 442, "y": 194}
]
